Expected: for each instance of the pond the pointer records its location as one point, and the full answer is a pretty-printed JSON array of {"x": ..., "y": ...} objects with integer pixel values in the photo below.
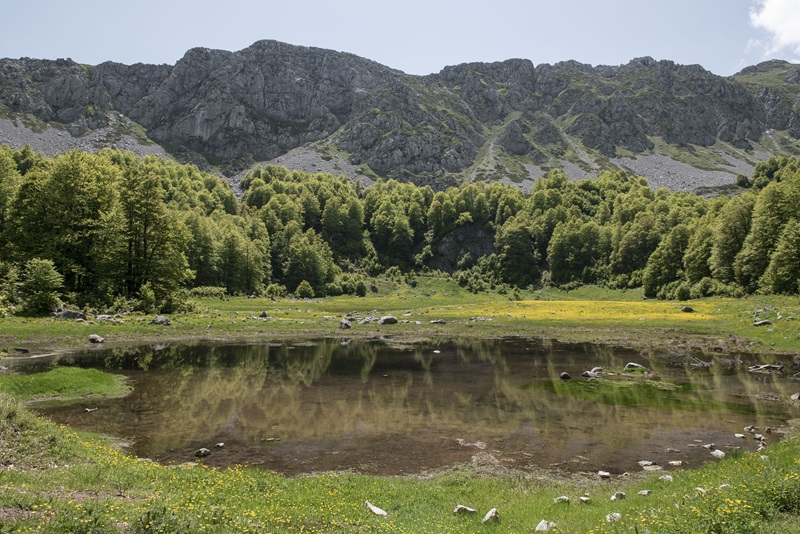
[{"x": 384, "y": 407}]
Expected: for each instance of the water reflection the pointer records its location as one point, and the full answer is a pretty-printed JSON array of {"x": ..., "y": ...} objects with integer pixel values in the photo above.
[{"x": 390, "y": 408}]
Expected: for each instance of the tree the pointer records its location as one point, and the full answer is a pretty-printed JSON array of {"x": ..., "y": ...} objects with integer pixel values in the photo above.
[
  {"x": 665, "y": 265},
  {"x": 730, "y": 230},
  {"x": 40, "y": 284},
  {"x": 308, "y": 258},
  {"x": 516, "y": 250},
  {"x": 783, "y": 272}
]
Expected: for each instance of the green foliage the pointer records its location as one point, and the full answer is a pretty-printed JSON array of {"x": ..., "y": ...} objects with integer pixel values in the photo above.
[
  {"x": 40, "y": 284},
  {"x": 304, "y": 290},
  {"x": 140, "y": 231}
]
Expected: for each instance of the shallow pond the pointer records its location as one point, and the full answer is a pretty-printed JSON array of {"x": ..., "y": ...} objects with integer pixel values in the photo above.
[{"x": 386, "y": 408}]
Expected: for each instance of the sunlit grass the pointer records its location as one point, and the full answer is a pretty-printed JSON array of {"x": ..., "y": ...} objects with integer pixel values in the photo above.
[{"x": 96, "y": 488}]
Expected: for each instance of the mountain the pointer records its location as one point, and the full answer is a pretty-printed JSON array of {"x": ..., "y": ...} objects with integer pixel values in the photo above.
[{"x": 679, "y": 125}]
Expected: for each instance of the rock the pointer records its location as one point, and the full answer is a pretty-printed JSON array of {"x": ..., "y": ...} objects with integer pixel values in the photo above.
[
  {"x": 645, "y": 463},
  {"x": 613, "y": 516},
  {"x": 89, "y": 410},
  {"x": 676, "y": 463},
  {"x": 645, "y": 493},
  {"x": 710, "y": 446},
  {"x": 795, "y": 396},
  {"x": 544, "y": 525},
  {"x": 589, "y": 374},
  {"x": 631, "y": 365},
  {"x": 438, "y": 321},
  {"x": 559, "y": 500},
  {"x": 763, "y": 322},
  {"x": 219, "y": 445},
  {"x": 21, "y": 350},
  {"x": 387, "y": 319},
  {"x": 716, "y": 453},
  {"x": 652, "y": 468},
  {"x": 461, "y": 509},
  {"x": 750, "y": 429},
  {"x": 604, "y": 474},
  {"x": 94, "y": 338},
  {"x": 263, "y": 314},
  {"x": 738, "y": 436},
  {"x": 584, "y": 500},
  {"x": 618, "y": 496},
  {"x": 161, "y": 320},
  {"x": 491, "y": 515},
  {"x": 344, "y": 324},
  {"x": 565, "y": 376},
  {"x": 687, "y": 309},
  {"x": 202, "y": 452},
  {"x": 69, "y": 314},
  {"x": 665, "y": 478},
  {"x": 375, "y": 510},
  {"x": 758, "y": 437}
]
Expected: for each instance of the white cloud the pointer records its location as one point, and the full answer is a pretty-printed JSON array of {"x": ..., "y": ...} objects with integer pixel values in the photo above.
[{"x": 781, "y": 20}]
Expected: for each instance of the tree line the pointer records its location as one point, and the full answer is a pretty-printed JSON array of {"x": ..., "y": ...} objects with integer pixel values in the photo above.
[{"x": 116, "y": 231}]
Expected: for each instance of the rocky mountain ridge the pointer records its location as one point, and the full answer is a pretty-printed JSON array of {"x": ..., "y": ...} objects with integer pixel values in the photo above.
[{"x": 507, "y": 120}]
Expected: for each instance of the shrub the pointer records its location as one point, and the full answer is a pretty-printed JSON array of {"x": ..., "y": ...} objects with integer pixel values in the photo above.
[
  {"x": 304, "y": 290},
  {"x": 40, "y": 283}
]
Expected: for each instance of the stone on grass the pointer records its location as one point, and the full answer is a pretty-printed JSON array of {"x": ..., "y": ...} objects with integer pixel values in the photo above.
[
  {"x": 716, "y": 453},
  {"x": 387, "y": 319},
  {"x": 491, "y": 515},
  {"x": 618, "y": 496},
  {"x": 613, "y": 516},
  {"x": 645, "y": 493},
  {"x": 665, "y": 478},
  {"x": 375, "y": 510},
  {"x": 94, "y": 338},
  {"x": 461, "y": 509},
  {"x": 161, "y": 320},
  {"x": 544, "y": 525},
  {"x": 344, "y": 324},
  {"x": 563, "y": 499}
]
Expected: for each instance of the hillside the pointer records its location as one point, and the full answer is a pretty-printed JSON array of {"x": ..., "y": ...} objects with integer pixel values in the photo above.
[{"x": 680, "y": 126}]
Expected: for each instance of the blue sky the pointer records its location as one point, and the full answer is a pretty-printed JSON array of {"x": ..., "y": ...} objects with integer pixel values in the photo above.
[{"x": 415, "y": 36}]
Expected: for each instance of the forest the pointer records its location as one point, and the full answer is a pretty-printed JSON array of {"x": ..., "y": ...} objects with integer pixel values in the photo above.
[{"x": 114, "y": 231}]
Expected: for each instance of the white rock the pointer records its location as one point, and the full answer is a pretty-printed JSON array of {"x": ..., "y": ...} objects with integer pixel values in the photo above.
[
  {"x": 544, "y": 525},
  {"x": 604, "y": 474},
  {"x": 724, "y": 486},
  {"x": 491, "y": 515},
  {"x": 584, "y": 499},
  {"x": 652, "y": 468},
  {"x": 613, "y": 516},
  {"x": 561, "y": 499},
  {"x": 461, "y": 509},
  {"x": 645, "y": 463},
  {"x": 676, "y": 463},
  {"x": 375, "y": 510},
  {"x": 738, "y": 435},
  {"x": 618, "y": 496},
  {"x": 700, "y": 490},
  {"x": 717, "y": 453},
  {"x": 665, "y": 478},
  {"x": 645, "y": 492}
]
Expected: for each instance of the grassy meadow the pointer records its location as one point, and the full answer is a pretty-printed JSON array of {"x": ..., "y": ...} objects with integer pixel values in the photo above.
[{"x": 53, "y": 479}]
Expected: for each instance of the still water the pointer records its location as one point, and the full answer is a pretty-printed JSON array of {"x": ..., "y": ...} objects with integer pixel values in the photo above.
[{"x": 379, "y": 406}]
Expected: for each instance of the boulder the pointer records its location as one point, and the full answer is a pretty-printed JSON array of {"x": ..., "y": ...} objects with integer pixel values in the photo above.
[
  {"x": 202, "y": 452},
  {"x": 438, "y": 321},
  {"x": 631, "y": 366},
  {"x": 461, "y": 509},
  {"x": 69, "y": 314},
  {"x": 559, "y": 500},
  {"x": 565, "y": 376},
  {"x": 387, "y": 319},
  {"x": 94, "y": 338},
  {"x": 161, "y": 320},
  {"x": 762, "y": 322},
  {"x": 344, "y": 324},
  {"x": 687, "y": 309}
]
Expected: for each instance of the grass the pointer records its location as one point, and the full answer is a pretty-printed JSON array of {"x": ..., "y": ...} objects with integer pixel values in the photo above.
[
  {"x": 63, "y": 382},
  {"x": 55, "y": 480},
  {"x": 590, "y": 314},
  {"x": 91, "y": 487}
]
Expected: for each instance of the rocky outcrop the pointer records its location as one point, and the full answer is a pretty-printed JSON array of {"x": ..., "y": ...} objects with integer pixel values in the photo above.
[{"x": 215, "y": 107}]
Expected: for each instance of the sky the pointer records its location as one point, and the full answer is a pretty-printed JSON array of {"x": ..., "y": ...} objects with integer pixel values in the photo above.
[{"x": 414, "y": 36}]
